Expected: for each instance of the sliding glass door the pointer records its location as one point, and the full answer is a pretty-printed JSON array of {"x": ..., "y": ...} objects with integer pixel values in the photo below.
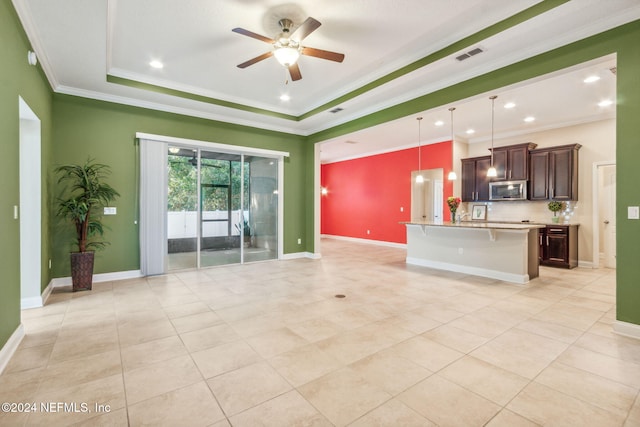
[
  {"x": 261, "y": 208},
  {"x": 222, "y": 208}
]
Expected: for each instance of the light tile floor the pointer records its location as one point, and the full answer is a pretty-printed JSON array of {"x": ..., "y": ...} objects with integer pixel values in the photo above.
[{"x": 269, "y": 344}]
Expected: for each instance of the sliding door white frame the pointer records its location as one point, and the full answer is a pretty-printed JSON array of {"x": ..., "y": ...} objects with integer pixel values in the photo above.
[{"x": 153, "y": 193}]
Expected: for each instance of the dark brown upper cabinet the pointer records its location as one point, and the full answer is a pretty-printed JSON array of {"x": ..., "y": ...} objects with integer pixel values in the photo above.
[
  {"x": 475, "y": 182},
  {"x": 512, "y": 162},
  {"x": 554, "y": 173}
]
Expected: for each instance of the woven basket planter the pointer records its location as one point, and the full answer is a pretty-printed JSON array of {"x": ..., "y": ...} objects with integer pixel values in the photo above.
[{"x": 82, "y": 270}]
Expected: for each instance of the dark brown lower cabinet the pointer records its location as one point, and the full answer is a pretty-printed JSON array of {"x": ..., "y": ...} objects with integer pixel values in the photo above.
[{"x": 559, "y": 246}]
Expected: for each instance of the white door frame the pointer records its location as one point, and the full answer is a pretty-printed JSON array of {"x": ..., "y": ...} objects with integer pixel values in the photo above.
[
  {"x": 153, "y": 234},
  {"x": 595, "y": 209},
  {"x": 30, "y": 166}
]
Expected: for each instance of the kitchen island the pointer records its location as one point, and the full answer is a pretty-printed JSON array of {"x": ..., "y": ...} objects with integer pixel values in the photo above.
[{"x": 503, "y": 251}]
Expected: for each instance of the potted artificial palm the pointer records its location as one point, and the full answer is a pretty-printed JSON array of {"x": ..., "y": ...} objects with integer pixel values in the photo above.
[{"x": 82, "y": 201}]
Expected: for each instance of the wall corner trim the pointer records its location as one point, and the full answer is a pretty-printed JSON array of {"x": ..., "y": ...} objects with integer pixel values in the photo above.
[
  {"x": 10, "y": 347},
  {"x": 627, "y": 329}
]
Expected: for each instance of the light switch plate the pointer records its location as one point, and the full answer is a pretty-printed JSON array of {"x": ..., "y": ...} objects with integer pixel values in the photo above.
[
  {"x": 110, "y": 211},
  {"x": 633, "y": 212}
]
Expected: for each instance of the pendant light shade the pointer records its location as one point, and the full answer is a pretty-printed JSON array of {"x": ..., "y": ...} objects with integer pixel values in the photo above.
[
  {"x": 492, "y": 170},
  {"x": 419, "y": 177},
  {"x": 452, "y": 174}
]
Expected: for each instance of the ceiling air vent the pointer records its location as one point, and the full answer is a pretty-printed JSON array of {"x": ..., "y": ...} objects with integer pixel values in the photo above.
[
  {"x": 469, "y": 54},
  {"x": 336, "y": 110}
]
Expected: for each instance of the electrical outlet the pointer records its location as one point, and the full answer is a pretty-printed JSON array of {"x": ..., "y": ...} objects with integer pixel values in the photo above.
[
  {"x": 401, "y": 209},
  {"x": 15, "y": 212},
  {"x": 49, "y": 263},
  {"x": 368, "y": 231},
  {"x": 299, "y": 241},
  {"x": 460, "y": 251}
]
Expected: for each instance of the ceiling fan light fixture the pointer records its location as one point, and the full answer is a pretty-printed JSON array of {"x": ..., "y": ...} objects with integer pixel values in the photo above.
[{"x": 286, "y": 56}]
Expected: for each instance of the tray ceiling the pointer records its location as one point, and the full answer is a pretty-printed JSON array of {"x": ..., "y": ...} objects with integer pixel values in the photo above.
[{"x": 101, "y": 49}]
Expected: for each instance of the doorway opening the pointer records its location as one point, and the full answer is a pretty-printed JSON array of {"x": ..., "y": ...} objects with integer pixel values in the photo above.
[
  {"x": 30, "y": 207},
  {"x": 604, "y": 214},
  {"x": 427, "y": 196}
]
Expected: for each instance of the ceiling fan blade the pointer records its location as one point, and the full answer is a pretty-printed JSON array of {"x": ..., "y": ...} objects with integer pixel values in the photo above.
[
  {"x": 253, "y": 35},
  {"x": 306, "y": 28},
  {"x": 324, "y": 54},
  {"x": 256, "y": 59},
  {"x": 294, "y": 70}
]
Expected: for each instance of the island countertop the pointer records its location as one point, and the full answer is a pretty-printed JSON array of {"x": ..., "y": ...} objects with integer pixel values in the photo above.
[
  {"x": 498, "y": 250},
  {"x": 478, "y": 224}
]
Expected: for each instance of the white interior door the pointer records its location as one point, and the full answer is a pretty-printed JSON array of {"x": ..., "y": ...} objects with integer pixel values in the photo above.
[{"x": 609, "y": 220}]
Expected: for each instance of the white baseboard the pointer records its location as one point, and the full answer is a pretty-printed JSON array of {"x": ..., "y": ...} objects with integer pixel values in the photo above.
[
  {"x": 585, "y": 264},
  {"x": 102, "y": 277},
  {"x": 475, "y": 271},
  {"x": 35, "y": 302},
  {"x": 32, "y": 302},
  {"x": 366, "y": 241},
  {"x": 46, "y": 293},
  {"x": 298, "y": 255},
  {"x": 627, "y": 329},
  {"x": 10, "y": 347}
]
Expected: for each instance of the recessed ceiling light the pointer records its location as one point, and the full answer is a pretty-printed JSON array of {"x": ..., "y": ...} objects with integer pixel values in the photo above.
[
  {"x": 285, "y": 97},
  {"x": 509, "y": 105},
  {"x": 591, "y": 79},
  {"x": 439, "y": 123},
  {"x": 470, "y": 131},
  {"x": 529, "y": 119},
  {"x": 605, "y": 103},
  {"x": 156, "y": 64}
]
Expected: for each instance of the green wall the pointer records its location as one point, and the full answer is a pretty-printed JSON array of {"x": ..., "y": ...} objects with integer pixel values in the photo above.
[
  {"x": 622, "y": 41},
  {"x": 18, "y": 78},
  {"x": 106, "y": 132}
]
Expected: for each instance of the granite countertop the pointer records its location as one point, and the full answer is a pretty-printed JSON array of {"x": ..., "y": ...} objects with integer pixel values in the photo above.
[{"x": 480, "y": 224}]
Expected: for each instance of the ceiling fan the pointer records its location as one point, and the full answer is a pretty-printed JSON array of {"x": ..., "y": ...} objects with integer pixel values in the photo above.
[{"x": 287, "y": 46}]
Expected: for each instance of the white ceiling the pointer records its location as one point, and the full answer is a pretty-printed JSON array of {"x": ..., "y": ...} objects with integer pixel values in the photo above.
[{"x": 79, "y": 43}]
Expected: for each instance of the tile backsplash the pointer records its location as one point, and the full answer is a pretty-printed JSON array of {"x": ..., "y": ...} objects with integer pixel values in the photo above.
[{"x": 534, "y": 211}]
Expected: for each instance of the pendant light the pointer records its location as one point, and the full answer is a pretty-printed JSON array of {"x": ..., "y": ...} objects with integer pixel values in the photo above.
[
  {"x": 492, "y": 170},
  {"x": 419, "y": 177},
  {"x": 452, "y": 174}
]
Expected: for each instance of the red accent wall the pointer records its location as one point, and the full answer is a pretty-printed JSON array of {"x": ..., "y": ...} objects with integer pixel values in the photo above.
[{"x": 367, "y": 193}]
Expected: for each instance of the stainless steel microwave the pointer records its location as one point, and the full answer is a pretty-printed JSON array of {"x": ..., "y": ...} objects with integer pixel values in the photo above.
[{"x": 508, "y": 190}]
